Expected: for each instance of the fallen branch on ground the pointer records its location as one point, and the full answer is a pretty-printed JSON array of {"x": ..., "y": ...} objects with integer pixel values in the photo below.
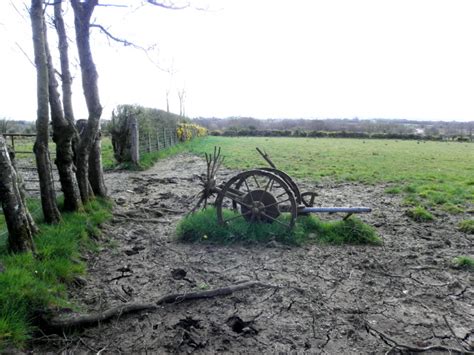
[
  {"x": 69, "y": 322},
  {"x": 396, "y": 345}
]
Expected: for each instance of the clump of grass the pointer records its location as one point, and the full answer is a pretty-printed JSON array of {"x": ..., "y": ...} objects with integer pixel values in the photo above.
[
  {"x": 395, "y": 190},
  {"x": 203, "y": 226},
  {"x": 30, "y": 284},
  {"x": 467, "y": 226},
  {"x": 452, "y": 208},
  {"x": 464, "y": 262},
  {"x": 419, "y": 214}
]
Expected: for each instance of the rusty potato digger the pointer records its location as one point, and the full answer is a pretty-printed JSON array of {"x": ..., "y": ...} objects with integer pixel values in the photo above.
[{"x": 260, "y": 195}]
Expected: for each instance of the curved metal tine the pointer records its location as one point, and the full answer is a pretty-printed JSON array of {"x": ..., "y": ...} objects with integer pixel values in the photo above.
[
  {"x": 216, "y": 161},
  {"x": 235, "y": 217},
  {"x": 197, "y": 205},
  {"x": 218, "y": 165},
  {"x": 208, "y": 164},
  {"x": 276, "y": 220},
  {"x": 311, "y": 202}
]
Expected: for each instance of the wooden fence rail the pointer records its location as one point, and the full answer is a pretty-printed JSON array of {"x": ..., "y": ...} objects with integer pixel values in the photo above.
[{"x": 22, "y": 145}]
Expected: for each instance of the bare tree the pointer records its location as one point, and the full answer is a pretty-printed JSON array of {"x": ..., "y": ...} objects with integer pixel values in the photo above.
[
  {"x": 66, "y": 78},
  {"x": 63, "y": 133},
  {"x": 4, "y": 123},
  {"x": 90, "y": 140},
  {"x": 182, "y": 98},
  {"x": 43, "y": 162},
  {"x": 19, "y": 222}
]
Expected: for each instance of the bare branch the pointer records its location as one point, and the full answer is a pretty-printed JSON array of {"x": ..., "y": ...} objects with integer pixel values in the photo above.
[
  {"x": 112, "y": 5},
  {"x": 169, "y": 6},
  {"x": 125, "y": 42},
  {"x": 25, "y": 54}
]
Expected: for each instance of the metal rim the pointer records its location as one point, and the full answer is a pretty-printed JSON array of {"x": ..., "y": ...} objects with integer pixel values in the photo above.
[{"x": 239, "y": 191}]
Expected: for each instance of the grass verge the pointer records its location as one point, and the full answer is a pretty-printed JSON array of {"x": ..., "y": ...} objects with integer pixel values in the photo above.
[
  {"x": 147, "y": 160},
  {"x": 29, "y": 285},
  {"x": 203, "y": 226}
]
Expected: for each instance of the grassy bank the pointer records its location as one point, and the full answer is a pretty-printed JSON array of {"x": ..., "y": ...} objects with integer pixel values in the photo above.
[
  {"x": 429, "y": 174},
  {"x": 29, "y": 284},
  {"x": 203, "y": 227}
]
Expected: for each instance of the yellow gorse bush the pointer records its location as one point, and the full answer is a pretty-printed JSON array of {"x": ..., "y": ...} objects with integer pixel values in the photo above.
[{"x": 188, "y": 131}]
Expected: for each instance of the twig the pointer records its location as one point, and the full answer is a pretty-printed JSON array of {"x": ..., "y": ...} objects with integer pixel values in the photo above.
[
  {"x": 395, "y": 344},
  {"x": 453, "y": 333}
]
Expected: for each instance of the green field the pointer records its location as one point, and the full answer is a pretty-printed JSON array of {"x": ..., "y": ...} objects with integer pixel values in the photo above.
[{"x": 430, "y": 174}]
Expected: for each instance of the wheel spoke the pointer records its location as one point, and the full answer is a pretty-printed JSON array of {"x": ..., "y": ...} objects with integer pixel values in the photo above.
[
  {"x": 277, "y": 203},
  {"x": 271, "y": 187},
  {"x": 275, "y": 220},
  {"x": 266, "y": 188},
  {"x": 256, "y": 181},
  {"x": 240, "y": 202},
  {"x": 280, "y": 195},
  {"x": 248, "y": 189}
]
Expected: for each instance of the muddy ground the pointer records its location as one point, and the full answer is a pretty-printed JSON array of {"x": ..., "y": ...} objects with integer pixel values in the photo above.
[{"x": 406, "y": 288}]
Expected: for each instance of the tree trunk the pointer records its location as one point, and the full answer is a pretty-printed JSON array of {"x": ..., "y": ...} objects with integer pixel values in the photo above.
[
  {"x": 64, "y": 60},
  {"x": 95, "y": 165},
  {"x": 43, "y": 163},
  {"x": 19, "y": 222},
  {"x": 66, "y": 78},
  {"x": 82, "y": 14},
  {"x": 21, "y": 187},
  {"x": 63, "y": 133}
]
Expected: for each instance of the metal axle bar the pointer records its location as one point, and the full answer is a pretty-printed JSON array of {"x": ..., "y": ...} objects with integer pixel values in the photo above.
[{"x": 335, "y": 210}]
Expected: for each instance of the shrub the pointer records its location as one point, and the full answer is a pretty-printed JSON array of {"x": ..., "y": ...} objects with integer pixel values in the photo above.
[{"x": 188, "y": 131}]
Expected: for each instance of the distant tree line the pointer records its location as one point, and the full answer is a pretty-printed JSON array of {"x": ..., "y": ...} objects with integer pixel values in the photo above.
[{"x": 340, "y": 128}]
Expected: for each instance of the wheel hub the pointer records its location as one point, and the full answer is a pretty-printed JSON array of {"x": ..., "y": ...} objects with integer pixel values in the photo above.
[{"x": 263, "y": 205}]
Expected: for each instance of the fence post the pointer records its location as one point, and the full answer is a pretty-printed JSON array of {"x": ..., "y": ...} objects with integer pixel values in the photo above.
[
  {"x": 164, "y": 137},
  {"x": 134, "y": 141},
  {"x": 149, "y": 142}
]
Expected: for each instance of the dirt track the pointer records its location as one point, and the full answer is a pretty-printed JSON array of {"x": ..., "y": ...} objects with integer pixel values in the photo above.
[{"x": 405, "y": 289}]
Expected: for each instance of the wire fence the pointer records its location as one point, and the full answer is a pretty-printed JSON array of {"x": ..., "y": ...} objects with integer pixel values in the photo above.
[{"x": 157, "y": 139}]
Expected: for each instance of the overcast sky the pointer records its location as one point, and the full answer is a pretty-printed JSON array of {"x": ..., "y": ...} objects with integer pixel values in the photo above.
[{"x": 268, "y": 59}]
